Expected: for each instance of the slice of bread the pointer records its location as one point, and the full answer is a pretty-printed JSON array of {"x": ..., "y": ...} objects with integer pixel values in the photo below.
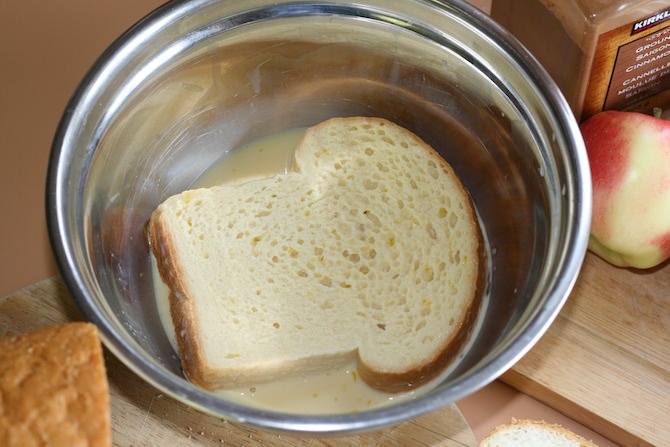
[
  {"x": 53, "y": 388},
  {"x": 532, "y": 433},
  {"x": 370, "y": 248}
]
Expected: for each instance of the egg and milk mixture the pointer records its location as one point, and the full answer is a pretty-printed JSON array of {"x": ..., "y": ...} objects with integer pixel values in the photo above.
[{"x": 337, "y": 391}]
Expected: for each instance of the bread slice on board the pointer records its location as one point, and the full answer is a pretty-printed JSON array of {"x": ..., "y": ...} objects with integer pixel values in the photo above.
[
  {"x": 369, "y": 249},
  {"x": 531, "y": 433},
  {"x": 53, "y": 388}
]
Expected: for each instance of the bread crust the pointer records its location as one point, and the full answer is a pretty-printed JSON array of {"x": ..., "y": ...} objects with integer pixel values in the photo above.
[
  {"x": 53, "y": 388},
  {"x": 181, "y": 304},
  {"x": 183, "y": 313}
]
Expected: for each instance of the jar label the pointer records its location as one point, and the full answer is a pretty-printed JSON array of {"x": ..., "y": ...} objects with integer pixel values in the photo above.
[{"x": 631, "y": 65}]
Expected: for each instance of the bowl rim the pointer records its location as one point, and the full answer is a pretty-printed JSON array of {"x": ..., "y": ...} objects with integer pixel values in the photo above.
[{"x": 152, "y": 372}]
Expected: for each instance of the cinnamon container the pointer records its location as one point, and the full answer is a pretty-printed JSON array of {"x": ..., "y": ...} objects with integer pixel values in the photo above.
[{"x": 603, "y": 54}]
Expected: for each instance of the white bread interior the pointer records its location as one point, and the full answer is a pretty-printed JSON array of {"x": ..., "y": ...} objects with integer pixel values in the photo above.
[
  {"x": 533, "y": 433},
  {"x": 370, "y": 248}
]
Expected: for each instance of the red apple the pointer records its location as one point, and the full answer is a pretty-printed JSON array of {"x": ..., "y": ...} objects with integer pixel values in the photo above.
[{"x": 629, "y": 155}]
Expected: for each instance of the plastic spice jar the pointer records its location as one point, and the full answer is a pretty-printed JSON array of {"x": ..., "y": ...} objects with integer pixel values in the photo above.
[{"x": 603, "y": 54}]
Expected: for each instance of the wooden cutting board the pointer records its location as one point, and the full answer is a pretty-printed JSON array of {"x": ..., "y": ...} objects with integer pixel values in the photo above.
[
  {"x": 605, "y": 361},
  {"x": 143, "y": 416}
]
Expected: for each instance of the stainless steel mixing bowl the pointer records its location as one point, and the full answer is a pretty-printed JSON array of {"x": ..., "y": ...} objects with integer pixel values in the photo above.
[{"x": 196, "y": 79}]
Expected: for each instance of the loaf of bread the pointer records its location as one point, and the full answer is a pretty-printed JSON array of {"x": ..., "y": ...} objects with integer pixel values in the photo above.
[
  {"x": 53, "y": 389},
  {"x": 368, "y": 249},
  {"x": 532, "y": 433}
]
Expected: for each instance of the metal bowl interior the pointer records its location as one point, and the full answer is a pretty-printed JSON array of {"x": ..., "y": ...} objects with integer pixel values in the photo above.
[{"x": 197, "y": 79}]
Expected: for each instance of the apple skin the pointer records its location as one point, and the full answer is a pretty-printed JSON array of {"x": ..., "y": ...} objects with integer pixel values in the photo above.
[{"x": 629, "y": 157}]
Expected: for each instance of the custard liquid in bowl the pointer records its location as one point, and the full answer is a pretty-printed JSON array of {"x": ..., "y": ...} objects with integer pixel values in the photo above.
[{"x": 196, "y": 80}]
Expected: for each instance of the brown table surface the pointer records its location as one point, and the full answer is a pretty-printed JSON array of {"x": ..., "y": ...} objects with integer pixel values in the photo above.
[{"x": 45, "y": 48}]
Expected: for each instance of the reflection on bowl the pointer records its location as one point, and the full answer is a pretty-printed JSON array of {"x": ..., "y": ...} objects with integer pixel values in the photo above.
[{"x": 197, "y": 79}]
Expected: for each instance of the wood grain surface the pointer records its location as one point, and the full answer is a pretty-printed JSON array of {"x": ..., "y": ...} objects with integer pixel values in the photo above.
[
  {"x": 605, "y": 361},
  {"x": 143, "y": 416}
]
